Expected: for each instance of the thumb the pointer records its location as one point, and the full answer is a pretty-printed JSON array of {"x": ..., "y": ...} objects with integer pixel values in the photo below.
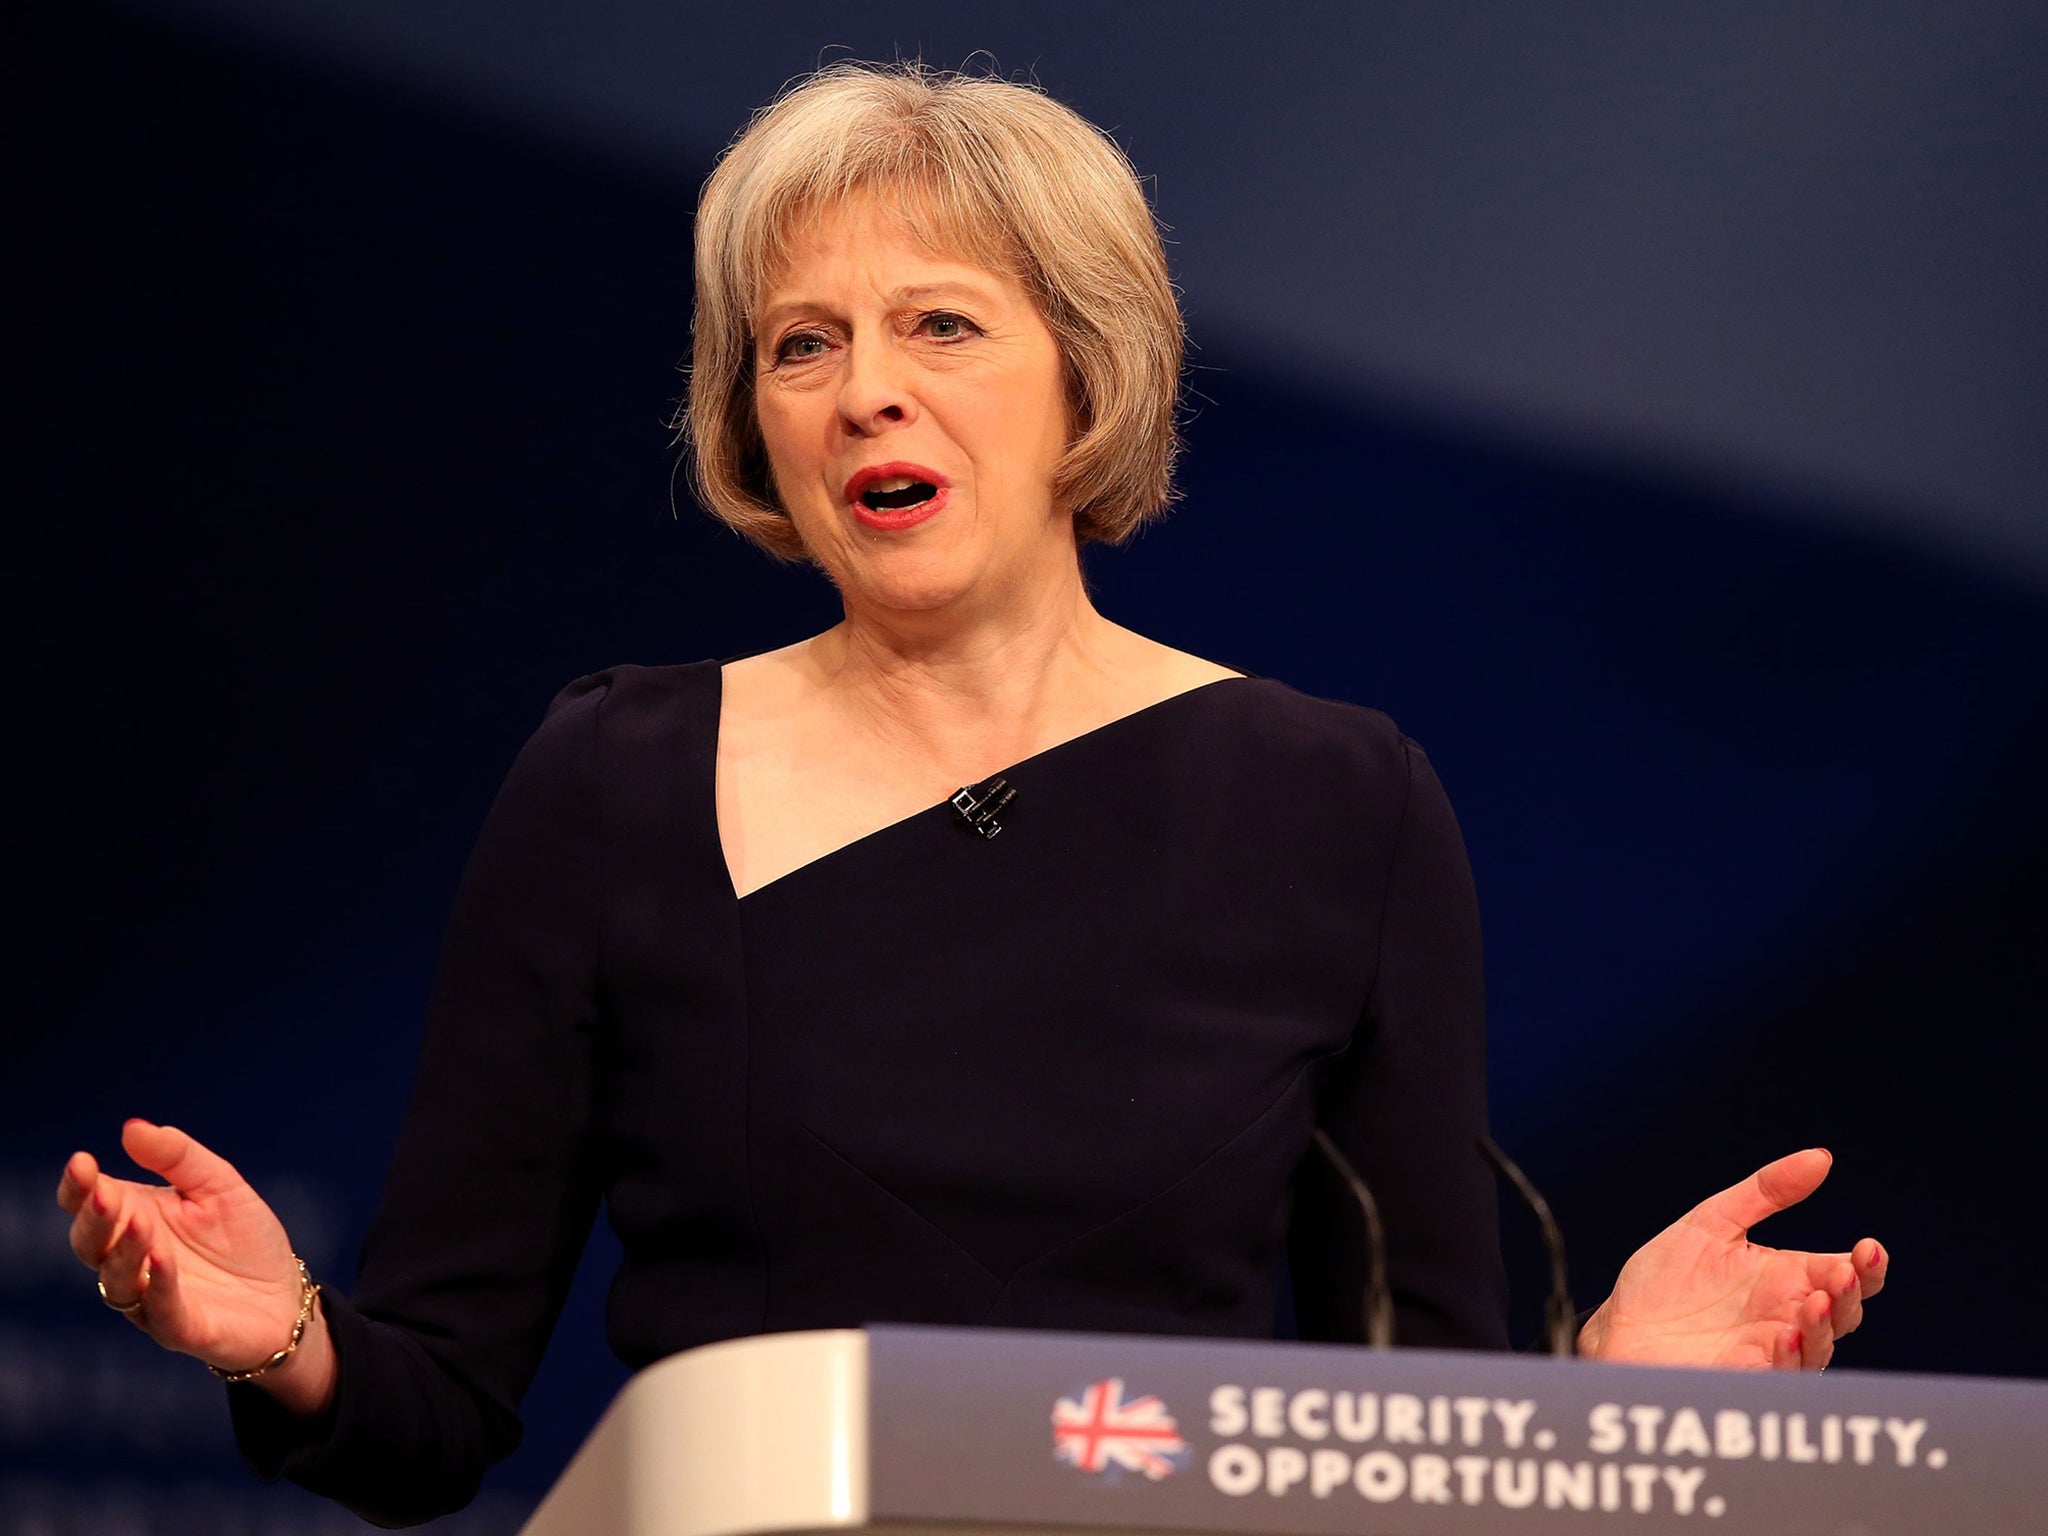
[
  {"x": 192, "y": 1169},
  {"x": 1771, "y": 1189}
]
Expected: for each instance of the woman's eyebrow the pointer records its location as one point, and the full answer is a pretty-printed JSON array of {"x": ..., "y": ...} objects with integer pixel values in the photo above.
[
  {"x": 906, "y": 297},
  {"x": 775, "y": 313},
  {"x": 922, "y": 293}
]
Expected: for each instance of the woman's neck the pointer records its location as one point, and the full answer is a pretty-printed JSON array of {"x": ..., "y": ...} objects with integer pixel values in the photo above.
[{"x": 961, "y": 688}]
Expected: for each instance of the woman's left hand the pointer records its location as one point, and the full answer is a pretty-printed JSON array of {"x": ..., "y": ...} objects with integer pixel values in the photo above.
[{"x": 1700, "y": 1293}]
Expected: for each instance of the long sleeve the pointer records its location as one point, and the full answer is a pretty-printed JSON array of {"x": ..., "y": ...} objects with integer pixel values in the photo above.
[
  {"x": 1406, "y": 1102},
  {"x": 493, "y": 1184}
]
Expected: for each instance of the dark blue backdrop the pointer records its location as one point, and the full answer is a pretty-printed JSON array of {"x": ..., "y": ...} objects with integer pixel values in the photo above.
[{"x": 344, "y": 449}]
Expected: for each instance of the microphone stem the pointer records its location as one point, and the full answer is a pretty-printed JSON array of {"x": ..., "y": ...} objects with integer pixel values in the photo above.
[
  {"x": 1379, "y": 1299},
  {"x": 1560, "y": 1321}
]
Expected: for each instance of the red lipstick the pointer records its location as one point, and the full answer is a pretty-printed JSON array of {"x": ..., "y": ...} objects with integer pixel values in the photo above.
[{"x": 885, "y": 510}]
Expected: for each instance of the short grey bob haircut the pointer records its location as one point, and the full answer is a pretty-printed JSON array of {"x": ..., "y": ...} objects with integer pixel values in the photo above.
[{"x": 981, "y": 167}]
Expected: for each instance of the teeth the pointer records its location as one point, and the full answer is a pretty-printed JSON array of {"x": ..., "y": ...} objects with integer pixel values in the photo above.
[{"x": 893, "y": 483}]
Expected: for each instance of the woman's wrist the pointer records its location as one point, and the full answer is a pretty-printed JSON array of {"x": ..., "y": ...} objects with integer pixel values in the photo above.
[
  {"x": 303, "y": 1385},
  {"x": 309, "y": 1294}
]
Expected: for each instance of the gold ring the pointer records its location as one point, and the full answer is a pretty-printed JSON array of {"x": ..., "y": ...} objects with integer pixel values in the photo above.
[{"x": 133, "y": 1307}]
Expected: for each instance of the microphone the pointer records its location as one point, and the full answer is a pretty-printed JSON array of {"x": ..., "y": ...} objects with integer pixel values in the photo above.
[
  {"x": 978, "y": 805},
  {"x": 1560, "y": 1321},
  {"x": 1379, "y": 1299}
]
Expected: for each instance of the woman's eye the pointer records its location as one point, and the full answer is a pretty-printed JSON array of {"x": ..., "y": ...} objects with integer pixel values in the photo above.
[
  {"x": 945, "y": 326},
  {"x": 799, "y": 347}
]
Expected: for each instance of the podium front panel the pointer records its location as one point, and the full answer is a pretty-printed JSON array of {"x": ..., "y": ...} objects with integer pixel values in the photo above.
[{"x": 1015, "y": 1429}]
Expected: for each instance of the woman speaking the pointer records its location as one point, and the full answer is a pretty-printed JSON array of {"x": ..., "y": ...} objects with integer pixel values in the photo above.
[{"x": 976, "y": 961}]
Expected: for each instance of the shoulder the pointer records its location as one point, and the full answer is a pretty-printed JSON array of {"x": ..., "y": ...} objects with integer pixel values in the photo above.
[
  {"x": 636, "y": 690},
  {"x": 1329, "y": 784},
  {"x": 1288, "y": 730},
  {"x": 1315, "y": 770},
  {"x": 625, "y": 752},
  {"x": 1261, "y": 715},
  {"x": 620, "y": 725},
  {"x": 620, "y": 704},
  {"x": 1308, "y": 799}
]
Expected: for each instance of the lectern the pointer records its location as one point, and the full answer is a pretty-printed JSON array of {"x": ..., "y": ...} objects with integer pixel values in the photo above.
[{"x": 929, "y": 1430}]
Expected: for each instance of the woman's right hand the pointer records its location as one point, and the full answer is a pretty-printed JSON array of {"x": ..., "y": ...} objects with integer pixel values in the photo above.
[{"x": 206, "y": 1257}]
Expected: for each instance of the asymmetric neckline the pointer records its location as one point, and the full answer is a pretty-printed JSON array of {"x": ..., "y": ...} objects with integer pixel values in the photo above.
[{"x": 1108, "y": 728}]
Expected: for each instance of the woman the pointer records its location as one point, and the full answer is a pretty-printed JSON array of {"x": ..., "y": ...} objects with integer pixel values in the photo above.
[{"x": 977, "y": 960}]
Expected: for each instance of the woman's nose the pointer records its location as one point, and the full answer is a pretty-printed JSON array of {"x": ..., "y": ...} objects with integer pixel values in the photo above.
[{"x": 873, "y": 392}]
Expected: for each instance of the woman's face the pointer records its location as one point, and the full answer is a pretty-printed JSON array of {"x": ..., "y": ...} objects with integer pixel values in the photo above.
[{"x": 913, "y": 409}]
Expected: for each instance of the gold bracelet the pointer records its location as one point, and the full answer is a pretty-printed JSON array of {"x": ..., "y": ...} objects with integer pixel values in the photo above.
[{"x": 308, "y": 1291}]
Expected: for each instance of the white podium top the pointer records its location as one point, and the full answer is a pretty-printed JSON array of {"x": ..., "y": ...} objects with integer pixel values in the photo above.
[{"x": 765, "y": 1434}]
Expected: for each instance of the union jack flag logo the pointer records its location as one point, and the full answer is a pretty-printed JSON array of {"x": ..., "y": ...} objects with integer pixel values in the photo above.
[{"x": 1098, "y": 1430}]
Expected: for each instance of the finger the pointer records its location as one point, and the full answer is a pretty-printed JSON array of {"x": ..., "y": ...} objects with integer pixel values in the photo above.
[
  {"x": 80, "y": 1171},
  {"x": 121, "y": 1270},
  {"x": 1816, "y": 1332},
  {"x": 1769, "y": 1190},
  {"x": 98, "y": 1220},
  {"x": 165, "y": 1295},
  {"x": 1785, "y": 1350},
  {"x": 1846, "y": 1300},
  {"x": 1873, "y": 1265},
  {"x": 192, "y": 1169}
]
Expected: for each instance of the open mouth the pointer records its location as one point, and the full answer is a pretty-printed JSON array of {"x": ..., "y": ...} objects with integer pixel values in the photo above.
[
  {"x": 897, "y": 492},
  {"x": 891, "y": 496}
]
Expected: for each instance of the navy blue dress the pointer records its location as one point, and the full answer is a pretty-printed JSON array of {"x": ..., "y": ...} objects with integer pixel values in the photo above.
[{"x": 1062, "y": 1078}]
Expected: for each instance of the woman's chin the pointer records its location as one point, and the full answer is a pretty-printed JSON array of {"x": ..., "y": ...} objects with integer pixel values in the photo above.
[
  {"x": 908, "y": 580},
  {"x": 933, "y": 595}
]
